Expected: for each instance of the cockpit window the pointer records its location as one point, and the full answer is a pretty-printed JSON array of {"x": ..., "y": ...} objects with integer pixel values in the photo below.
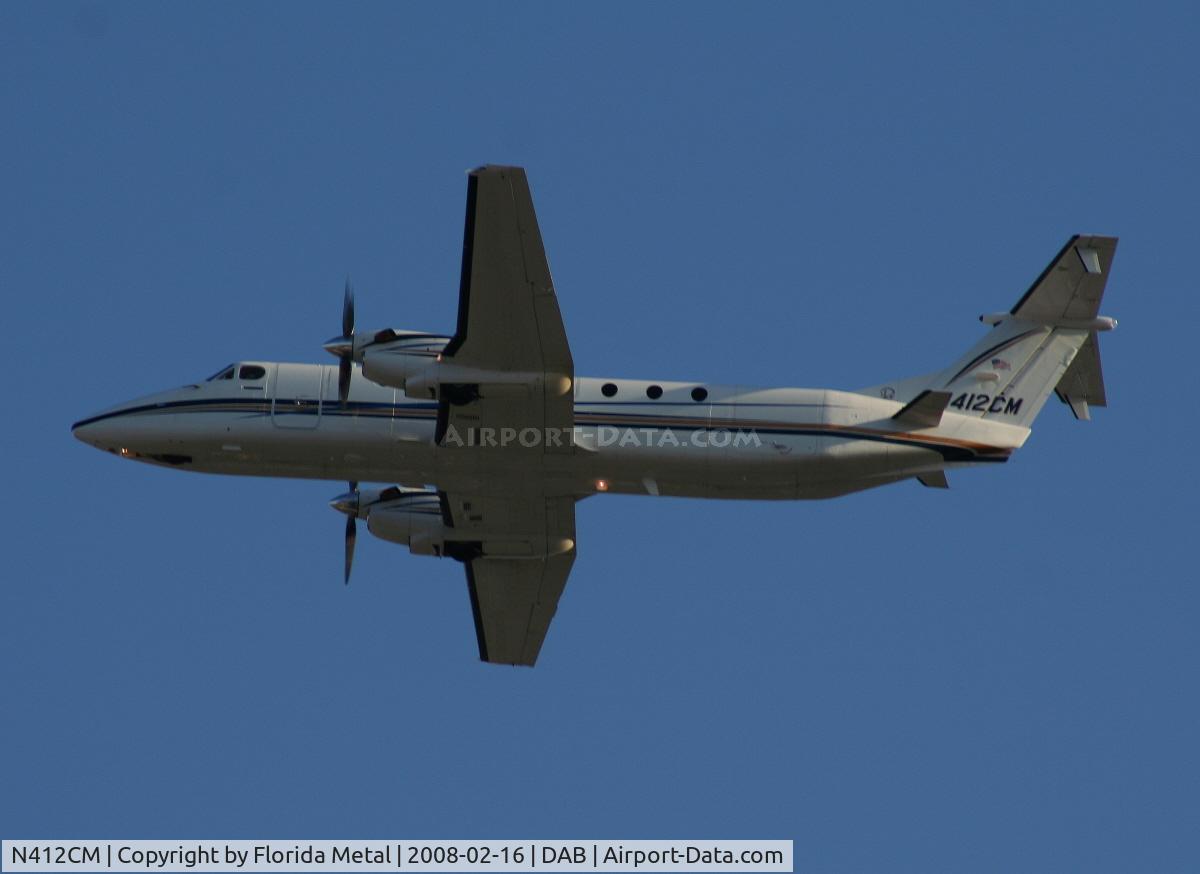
[
  {"x": 252, "y": 372},
  {"x": 227, "y": 373}
]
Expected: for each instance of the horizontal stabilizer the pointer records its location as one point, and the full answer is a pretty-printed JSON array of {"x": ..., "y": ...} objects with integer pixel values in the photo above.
[
  {"x": 1083, "y": 383},
  {"x": 925, "y": 410},
  {"x": 935, "y": 479},
  {"x": 1071, "y": 286}
]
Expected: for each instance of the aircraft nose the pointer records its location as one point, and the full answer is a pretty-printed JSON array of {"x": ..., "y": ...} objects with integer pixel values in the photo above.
[
  {"x": 134, "y": 429},
  {"x": 102, "y": 431},
  {"x": 114, "y": 428},
  {"x": 80, "y": 431}
]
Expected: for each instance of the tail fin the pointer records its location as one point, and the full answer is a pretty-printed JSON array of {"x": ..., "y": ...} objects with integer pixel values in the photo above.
[{"x": 1047, "y": 342}]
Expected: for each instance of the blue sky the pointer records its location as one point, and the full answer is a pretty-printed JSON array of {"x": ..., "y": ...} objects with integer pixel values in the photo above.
[{"x": 999, "y": 677}]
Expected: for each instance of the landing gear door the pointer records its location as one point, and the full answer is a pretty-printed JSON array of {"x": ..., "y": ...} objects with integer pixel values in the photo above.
[{"x": 296, "y": 402}]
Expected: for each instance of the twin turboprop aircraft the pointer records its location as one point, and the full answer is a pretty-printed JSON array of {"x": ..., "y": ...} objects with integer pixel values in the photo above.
[{"x": 491, "y": 438}]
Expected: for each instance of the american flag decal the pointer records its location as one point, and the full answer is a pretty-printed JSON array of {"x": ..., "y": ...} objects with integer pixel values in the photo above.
[{"x": 1001, "y": 364}]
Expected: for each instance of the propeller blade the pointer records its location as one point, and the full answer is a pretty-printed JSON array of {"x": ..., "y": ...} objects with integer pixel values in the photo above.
[
  {"x": 351, "y": 537},
  {"x": 348, "y": 310},
  {"x": 345, "y": 368},
  {"x": 343, "y": 346}
]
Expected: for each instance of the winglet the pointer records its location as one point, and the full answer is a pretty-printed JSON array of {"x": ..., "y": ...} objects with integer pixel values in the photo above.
[{"x": 925, "y": 410}]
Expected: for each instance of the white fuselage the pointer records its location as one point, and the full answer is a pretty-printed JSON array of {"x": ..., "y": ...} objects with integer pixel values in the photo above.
[
  {"x": 486, "y": 438},
  {"x": 732, "y": 442}
]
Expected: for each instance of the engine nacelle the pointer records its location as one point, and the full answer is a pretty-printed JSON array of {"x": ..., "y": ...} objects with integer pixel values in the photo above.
[
  {"x": 415, "y": 520},
  {"x": 424, "y": 384},
  {"x": 391, "y": 357},
  {"x": 458, "y": 384},
  {"x": 359, "y": 502}
]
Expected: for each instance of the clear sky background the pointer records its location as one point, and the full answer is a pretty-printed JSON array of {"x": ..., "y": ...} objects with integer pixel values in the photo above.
[{"x": 995, "y": 678}]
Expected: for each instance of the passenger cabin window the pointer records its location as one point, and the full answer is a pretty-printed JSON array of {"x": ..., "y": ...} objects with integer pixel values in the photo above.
[
  {"x": 252, "y": 372},
  {"x": 227, "y": 373},
  {"x": 608, "y": 389},
  {"x": 654, "y": 392}
]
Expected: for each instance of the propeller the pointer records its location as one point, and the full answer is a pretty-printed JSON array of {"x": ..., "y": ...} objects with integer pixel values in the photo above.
[
  {"x": 351, "y": 538},
  {"x": 348, "y": 504},
  {"x": 342, "y": 347},
  {"x": 355, "y": 504}
]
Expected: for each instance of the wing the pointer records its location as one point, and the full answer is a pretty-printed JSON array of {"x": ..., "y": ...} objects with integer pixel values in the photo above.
[
  {"x": 512, "y": 529},
  {"x": 516, "y": 570},
  {"x": 508, "y": 319}
]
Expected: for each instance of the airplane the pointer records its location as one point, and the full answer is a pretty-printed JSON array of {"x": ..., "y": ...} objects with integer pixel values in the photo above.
[{"x": 489, "y": 439}]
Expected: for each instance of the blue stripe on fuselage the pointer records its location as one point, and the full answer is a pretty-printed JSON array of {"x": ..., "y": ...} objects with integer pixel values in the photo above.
[{"x": 428, "y": 409}]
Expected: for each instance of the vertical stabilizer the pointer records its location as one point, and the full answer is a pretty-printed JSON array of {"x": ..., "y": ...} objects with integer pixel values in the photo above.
[{"x": 1047, "y": 343}]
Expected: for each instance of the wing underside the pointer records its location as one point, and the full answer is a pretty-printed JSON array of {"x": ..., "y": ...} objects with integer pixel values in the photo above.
[
  {"x": 518, "y": 553},
  {"x": 509, "y": 323},
  {"x": 513, "y": 603},
  {"x": 520, "y": 531}
]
